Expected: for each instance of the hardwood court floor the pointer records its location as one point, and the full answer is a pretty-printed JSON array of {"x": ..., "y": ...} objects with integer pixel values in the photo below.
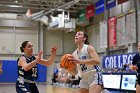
[
  {"x": 56, "y": 89},
  {"x": 43, "y": 88}
]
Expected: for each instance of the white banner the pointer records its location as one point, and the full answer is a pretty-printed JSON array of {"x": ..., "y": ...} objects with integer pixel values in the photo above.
[
  {"x": 103, "y": 34},
  {"x": 131, "y": 28},
  {"x": 128, "y": 82},
  {"x": 112, "y": 81},
  {"x": 121, "y": 31}
]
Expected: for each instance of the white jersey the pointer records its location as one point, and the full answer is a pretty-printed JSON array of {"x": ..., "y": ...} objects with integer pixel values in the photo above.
[{"x": 84, "y": 69}]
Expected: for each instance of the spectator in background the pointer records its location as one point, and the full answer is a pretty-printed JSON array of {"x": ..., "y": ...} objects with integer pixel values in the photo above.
[
  {"x": 55, "y": 76},
  {"x": 115, "y": 70},
  {"x": 66, "y": 78},
  {"x": 125, "y": 67},
  {"x": 120, "y": 70},
  {"x": 60, "y": 75},
  {"x": 75, "y": 80},
  {"x": 1, "y": 67}
]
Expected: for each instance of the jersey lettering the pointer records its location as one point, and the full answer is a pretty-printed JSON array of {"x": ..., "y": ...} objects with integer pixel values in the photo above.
[
  {"x": 83, "y": 67},
  {"x": 34, "y": 72}
]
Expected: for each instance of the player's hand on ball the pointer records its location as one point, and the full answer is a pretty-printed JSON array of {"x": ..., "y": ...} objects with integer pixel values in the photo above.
[{"x": 74, "y": 60}]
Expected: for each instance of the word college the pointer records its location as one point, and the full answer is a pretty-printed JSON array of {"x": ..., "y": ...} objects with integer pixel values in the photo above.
[{"x": 117, "y": 61}]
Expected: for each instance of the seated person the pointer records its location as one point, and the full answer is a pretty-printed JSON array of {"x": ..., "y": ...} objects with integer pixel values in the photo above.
[
  {"x": 54, "y": 79},
  {"x": 67, "y": 78},
  {"x": 75, "y": 80},
  {"x": 56, "y": 75}
]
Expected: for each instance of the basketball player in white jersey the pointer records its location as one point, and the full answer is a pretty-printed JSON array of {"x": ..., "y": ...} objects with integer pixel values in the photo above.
[{"x": 87, "y": 60}]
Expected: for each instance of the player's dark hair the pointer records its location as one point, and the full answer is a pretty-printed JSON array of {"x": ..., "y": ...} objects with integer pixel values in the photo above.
[
  {"x": 24, "y": 44},
  {"x": 86, "y": 36}
]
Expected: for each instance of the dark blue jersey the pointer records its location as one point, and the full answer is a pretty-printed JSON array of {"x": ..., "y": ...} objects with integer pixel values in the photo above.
[
  {"x": 136, "y": 61},
  {"x": 31, "y": 74}
]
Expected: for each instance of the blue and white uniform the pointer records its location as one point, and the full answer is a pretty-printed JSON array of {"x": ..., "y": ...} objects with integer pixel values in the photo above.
[
  {"x": 91, "y": 74},
  {"x": 26, "y": 79}
]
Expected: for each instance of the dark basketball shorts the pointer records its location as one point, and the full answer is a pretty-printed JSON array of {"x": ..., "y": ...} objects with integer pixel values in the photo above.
[{"x": 24, "y": 87}]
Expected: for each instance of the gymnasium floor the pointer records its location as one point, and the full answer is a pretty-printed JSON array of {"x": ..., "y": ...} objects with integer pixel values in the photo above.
[{"x": 43, "y": 88}]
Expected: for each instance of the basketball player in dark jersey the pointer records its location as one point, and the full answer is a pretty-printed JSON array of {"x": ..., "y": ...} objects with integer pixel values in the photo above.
[
  {"x": 27, "y": 68},
  {"x": 136, "y": 67}
]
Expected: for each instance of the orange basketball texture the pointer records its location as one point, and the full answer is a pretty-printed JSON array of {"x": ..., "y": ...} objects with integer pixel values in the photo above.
[{"x": 66, "y": 64}]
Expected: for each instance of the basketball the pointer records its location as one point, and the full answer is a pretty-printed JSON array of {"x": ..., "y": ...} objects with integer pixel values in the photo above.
[{"x": 66, "y": 64}]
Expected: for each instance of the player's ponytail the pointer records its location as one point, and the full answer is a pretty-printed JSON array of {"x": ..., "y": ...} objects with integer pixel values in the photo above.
[{"x": 86, "y": 36}]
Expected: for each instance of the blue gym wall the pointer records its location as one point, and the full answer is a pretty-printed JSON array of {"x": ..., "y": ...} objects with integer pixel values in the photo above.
[{"x": 9, "y": 74}]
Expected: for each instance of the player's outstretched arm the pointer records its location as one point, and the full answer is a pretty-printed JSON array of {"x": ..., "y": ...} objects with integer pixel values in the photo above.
[{"x": 50, "y": 60}]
